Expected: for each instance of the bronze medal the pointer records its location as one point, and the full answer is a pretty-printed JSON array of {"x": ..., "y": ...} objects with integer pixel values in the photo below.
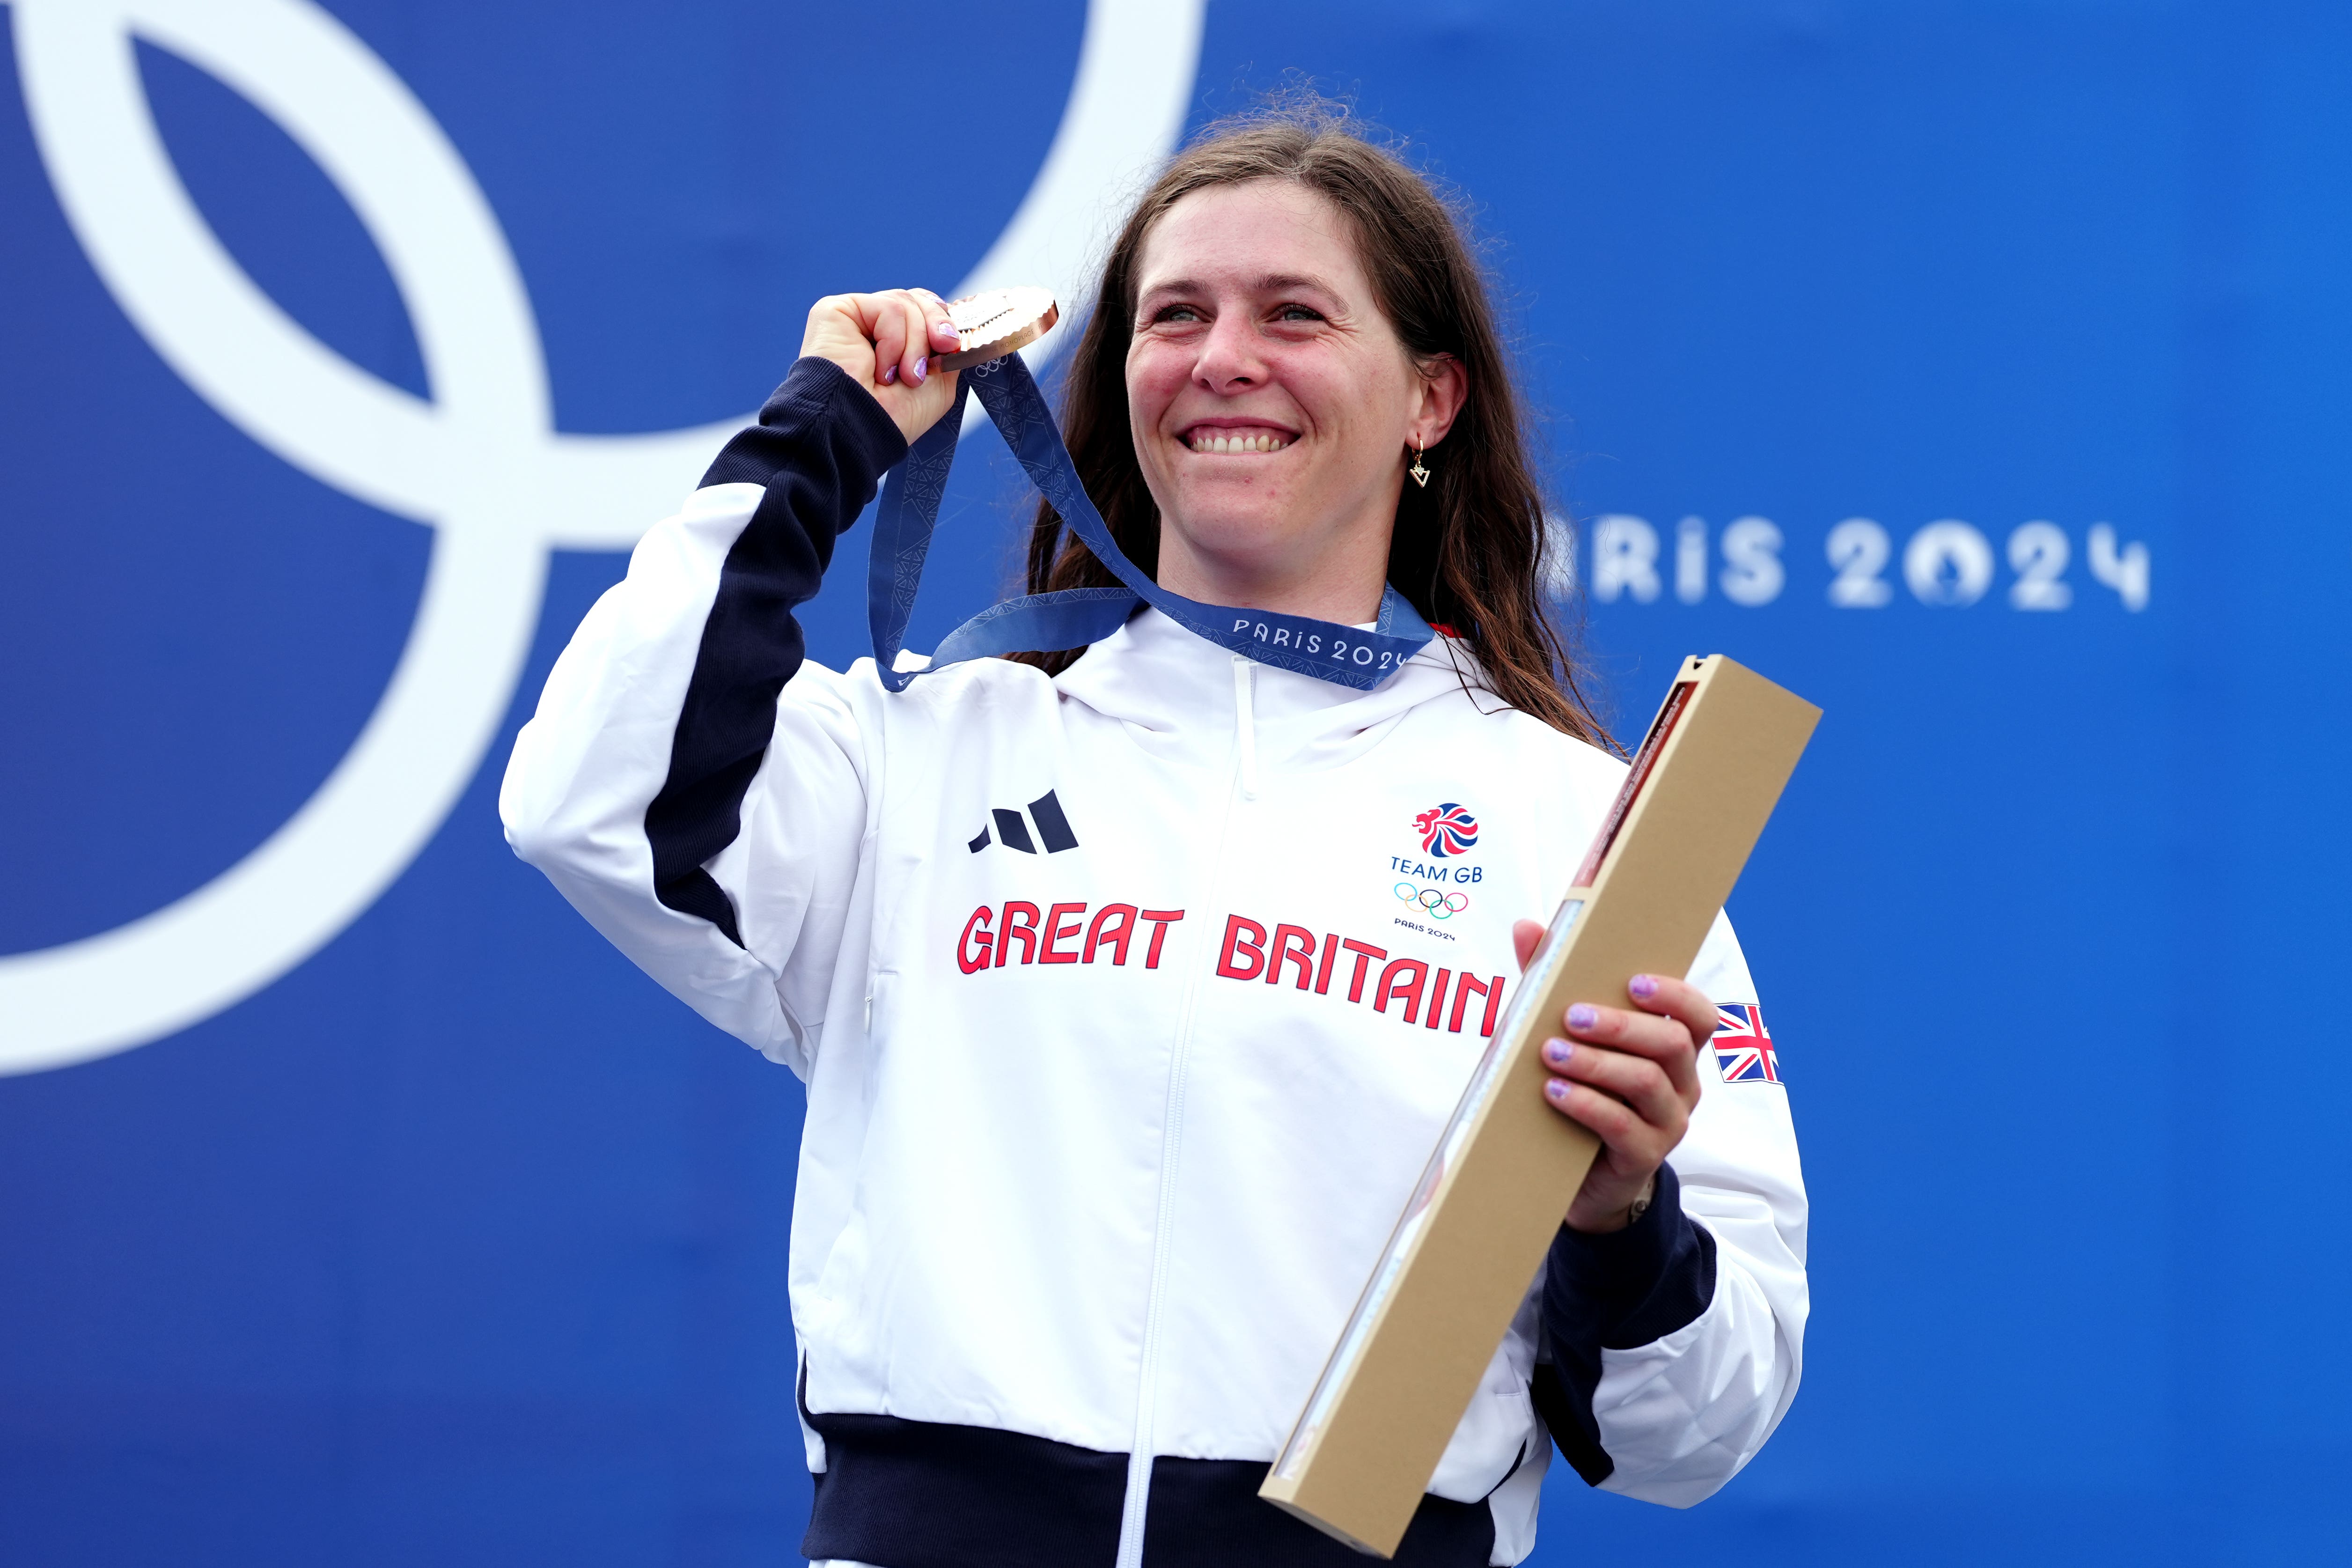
[{"x": 996, "y": 322}]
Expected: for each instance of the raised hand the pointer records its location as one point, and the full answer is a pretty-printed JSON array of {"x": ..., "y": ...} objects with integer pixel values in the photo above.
[{"x": 885, "y": 342}]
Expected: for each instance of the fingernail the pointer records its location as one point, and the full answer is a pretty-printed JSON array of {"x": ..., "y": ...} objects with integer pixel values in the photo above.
[
  {"x": 1557, "y": 1052},
  {"x": 889, "y": 375},
  {"x": 1584, "y": 1015},
  {"x": 945, "y": 331},
  {"x": 1556, "y": 1088},
  {"x": 1643, "y": 987},
  {"x": 923, "y": 370}
]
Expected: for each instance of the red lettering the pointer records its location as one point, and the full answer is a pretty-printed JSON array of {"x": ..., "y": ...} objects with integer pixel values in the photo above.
[
  {"x": 1026, "y": 931},
  {"x": 1056, "y": 931},
  {"x": 1160, "y": 920},
  {"x": 1365, "y": 954},
  {"x": 1469, "y": 984},
  {"x": 1323, "y": 972},
  {"x": 1436, "y": 998},
  {"x": 1234, "y": 926},
  {"x": 1103, "y": 932},
  {"x": 1389, "y": 990},
  {"x": 1296, "y": 944},
  {"x": 1494, "y": 1006},
  {"x": 964, "y": 960}
]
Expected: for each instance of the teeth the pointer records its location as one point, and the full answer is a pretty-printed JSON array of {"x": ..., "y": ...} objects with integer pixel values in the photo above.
[{"x": 1208, "y": 441}]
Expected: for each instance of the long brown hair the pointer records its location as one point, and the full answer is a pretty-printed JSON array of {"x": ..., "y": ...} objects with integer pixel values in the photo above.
[{"x": 1468, "y": 551}]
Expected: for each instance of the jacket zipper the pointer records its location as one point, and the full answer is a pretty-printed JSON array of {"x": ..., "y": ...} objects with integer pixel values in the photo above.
[{"x": 1139, "y": 1460}]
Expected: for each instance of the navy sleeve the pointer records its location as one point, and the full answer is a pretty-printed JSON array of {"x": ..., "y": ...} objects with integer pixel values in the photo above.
[
  {"x": 1617, "y": 1291},
  {"x": 820, "y": 448}
]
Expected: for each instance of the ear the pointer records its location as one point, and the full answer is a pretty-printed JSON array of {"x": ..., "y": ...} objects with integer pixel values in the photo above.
[{"x": 1444, "y": 387}]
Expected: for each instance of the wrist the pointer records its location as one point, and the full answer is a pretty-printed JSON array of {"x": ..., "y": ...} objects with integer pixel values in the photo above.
[
  {"x": 1615, "y": 1220},
  {"x": 1641, "y": 1203}
]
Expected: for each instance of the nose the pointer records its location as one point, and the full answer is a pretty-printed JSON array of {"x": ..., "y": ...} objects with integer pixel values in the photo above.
[{"x": 1229, "y": 361}]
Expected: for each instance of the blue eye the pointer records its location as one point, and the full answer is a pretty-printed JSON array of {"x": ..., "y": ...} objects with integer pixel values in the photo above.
[
  {"x": 1176, "y": 313},
  {"x": 1297, "y": 313}
]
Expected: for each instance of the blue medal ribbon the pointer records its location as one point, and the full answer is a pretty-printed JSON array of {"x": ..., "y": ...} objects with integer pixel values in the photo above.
[{"x": 1075, "y": 617}]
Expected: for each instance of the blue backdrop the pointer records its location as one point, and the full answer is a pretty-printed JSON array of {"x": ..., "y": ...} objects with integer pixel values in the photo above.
[{"x": 1980, "y": 370}]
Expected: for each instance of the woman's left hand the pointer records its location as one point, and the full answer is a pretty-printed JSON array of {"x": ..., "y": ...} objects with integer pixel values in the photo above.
[{"x": 1632, "y": 1077}]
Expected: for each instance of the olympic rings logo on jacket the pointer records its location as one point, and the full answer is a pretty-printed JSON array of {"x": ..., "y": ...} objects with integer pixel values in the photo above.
[{"x": 1440, "y": 904}]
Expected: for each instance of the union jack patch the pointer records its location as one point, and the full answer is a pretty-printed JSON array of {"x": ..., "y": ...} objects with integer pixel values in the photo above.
[{"x": 1743, "y": 1047}]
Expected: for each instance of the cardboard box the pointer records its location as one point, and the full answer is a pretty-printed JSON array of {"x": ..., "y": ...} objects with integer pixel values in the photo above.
[{"x": 1482, "y": 1218}]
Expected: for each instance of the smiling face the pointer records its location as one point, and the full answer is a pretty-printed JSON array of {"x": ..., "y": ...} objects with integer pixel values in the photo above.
[{"x": 1272, "y": 403}]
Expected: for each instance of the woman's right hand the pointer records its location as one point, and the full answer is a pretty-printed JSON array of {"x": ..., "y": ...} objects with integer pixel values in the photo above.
[{"x": 885, "y": 342}]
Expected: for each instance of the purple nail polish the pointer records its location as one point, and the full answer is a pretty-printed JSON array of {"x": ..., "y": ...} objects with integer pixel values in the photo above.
[
  {"x": 1556, "y": 1088},
  {"x": 1584, "y": 1015},
  {"x": 1643, "y": 987},
  {"x": 923, "y": 370},
  {"x": 889, "y": 375},
  {"x": 1557, "y": 1052}
]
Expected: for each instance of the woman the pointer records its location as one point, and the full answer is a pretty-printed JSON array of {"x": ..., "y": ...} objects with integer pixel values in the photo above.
[{"x": 1133, "y": 987}]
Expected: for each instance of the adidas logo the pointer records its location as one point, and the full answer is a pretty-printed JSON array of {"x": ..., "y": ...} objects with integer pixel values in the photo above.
[{"x": 1013, "y": 829}]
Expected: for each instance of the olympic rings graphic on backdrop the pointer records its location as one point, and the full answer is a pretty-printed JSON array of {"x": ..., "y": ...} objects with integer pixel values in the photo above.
[
  {"x": 479, "y": 461},
  {"x": 1440, "y": 904}
]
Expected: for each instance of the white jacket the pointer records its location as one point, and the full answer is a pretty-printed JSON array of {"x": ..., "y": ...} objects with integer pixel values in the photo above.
[{"x": 1127, "y": 1026}]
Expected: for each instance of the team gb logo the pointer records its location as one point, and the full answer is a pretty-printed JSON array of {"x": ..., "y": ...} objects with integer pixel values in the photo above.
[{"x": 1446, "y": 829}]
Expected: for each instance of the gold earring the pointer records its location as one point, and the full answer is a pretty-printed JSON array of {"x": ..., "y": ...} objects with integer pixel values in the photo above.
[{"x": 1420, "y": 475}]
